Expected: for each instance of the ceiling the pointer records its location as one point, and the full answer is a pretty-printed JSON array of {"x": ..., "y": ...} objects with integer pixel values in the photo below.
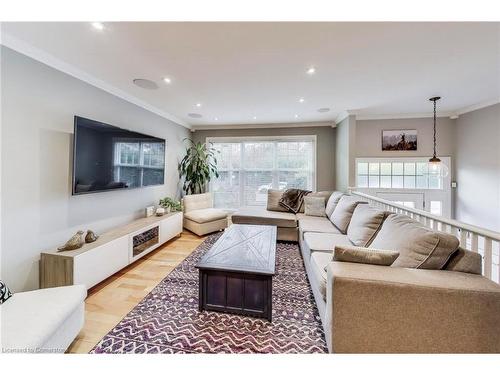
[{"x": 255, "y": 73}]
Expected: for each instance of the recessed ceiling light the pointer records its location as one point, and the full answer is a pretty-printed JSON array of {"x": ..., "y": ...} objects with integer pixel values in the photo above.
[
  {"x": 98, "y": 26},
  {"x": 198, "y": 105},
  {"x": 195, "y": 115},
  {"x": 216, "y": 119},
  {"x": 255, "y": 117},
  {"x": 323, "y": 110},
  {"x": 311, "y": 70},
  {"x": 167, "y": 80},
  {"x": 296, "y": 116},
  {"x": 301, "y": 100},
  {"x": 145, "y": 84}
]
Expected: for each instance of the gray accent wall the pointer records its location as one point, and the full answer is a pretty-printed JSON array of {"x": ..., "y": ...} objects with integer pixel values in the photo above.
[
  {"x": 477, "y": 198},
  {"x": 38, "y": 210},
  {"x": 369, "y": 137},
  {"x": 325, "y": 147}
]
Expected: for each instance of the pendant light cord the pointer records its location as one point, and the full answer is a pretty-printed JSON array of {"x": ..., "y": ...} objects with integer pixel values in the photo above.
[{"x": 434, "y": 128}]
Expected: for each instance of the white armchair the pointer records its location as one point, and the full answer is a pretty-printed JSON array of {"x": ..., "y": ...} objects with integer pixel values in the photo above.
[{"x": 199, "y": 215}]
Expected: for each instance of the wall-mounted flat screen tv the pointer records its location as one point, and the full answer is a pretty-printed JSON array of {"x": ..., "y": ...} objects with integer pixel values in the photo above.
[{"x": 106, "y": 157}]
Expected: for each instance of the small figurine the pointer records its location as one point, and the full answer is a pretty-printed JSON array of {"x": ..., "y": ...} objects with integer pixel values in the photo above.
[
  {"x": 74, "y": 242},
  {"x": 91, "y": 237}
]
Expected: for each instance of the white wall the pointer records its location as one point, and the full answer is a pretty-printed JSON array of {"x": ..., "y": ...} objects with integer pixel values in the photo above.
[
  {"x": 345, "y": 153},
  {"x": 478, "y": 167},
  {"x": 38, "y": 211}
]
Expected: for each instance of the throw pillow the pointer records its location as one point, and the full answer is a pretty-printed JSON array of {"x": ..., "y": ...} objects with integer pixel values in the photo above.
[
  {"x": 341, "y": 216},
  {"x": 356, "y": 254},
  {"x": 314, "y": 206},
  {"x": 5, "y": 293},
  {"x": 326, "y": 194},
  {"x": 419, "y": 247}
]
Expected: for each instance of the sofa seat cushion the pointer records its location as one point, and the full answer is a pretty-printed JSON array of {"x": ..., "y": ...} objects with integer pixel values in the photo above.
[
  {"x": 316, "y": 224},
  {"x": 418, "y": 246},
  {"x": 30, "y": 318},
  {"x": 261, "y": 216},
  {"x": 206, "y": 215},
  {"x": 325, "y": 242},
  {"x": 319, "y": 261},
  {"x": 365, "y": 223}
]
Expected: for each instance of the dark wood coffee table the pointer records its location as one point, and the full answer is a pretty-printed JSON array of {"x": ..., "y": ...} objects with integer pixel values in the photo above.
[{"x": 236, "y": 273}]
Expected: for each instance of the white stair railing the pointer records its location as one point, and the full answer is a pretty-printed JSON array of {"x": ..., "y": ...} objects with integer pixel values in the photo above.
[{"x": 479, "y": 240}]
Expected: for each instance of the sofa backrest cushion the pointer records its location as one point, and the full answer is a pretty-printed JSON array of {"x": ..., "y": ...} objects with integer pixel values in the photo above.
[
  {"x": 418, "y": 246},
  {"x": 197, "y": 201},
  {"x": 465, "y": 261},
  {"x": 341, "y": 216},
  {"x": 325, "y": 194},
  {"x": 273, "y": 199},
  {"x": 365, "y": 223},
  {"x": 332, "y": 202}
]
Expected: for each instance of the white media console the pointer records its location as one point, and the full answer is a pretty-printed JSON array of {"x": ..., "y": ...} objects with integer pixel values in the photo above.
[{"x": 112, "y": 251}]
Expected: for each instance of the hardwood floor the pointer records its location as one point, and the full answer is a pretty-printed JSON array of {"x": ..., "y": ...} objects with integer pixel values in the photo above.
[{"x": 108, "y": 302}]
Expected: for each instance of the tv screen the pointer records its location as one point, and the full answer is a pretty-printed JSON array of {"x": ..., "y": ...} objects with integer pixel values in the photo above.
[{"x": 106, "y": 157}]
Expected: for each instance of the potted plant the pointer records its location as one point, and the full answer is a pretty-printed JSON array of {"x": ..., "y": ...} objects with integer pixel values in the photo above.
[
  {"x": 170, "y": 205},
  {"x": 198, "y": 166}
]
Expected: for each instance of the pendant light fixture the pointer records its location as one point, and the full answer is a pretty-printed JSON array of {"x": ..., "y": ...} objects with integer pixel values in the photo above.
[{"x": 435, "y": 167}]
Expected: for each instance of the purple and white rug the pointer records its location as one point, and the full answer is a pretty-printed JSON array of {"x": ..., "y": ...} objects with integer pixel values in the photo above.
[{"x": 167, "y": 320}]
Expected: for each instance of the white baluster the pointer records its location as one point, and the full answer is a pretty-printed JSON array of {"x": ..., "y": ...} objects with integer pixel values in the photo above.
[
  {"x": 474, "y": 243},
  {"x": 463, "y": 239}
]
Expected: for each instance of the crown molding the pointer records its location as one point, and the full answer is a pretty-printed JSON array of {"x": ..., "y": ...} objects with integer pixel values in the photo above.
[
  {"x": 477, "y": 106},
  {"x": 52, "y": 61},
  {"x": 402, "y": 116},
  {"x": 263, "y": 126}
]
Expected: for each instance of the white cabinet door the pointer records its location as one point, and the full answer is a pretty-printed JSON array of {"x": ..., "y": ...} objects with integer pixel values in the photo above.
[
  {"x": 93, "y": 266},
  {"x": 170, "y": 227}
]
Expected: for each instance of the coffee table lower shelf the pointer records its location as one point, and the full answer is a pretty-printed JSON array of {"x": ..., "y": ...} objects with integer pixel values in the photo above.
[{"x": 236, "y": 292}]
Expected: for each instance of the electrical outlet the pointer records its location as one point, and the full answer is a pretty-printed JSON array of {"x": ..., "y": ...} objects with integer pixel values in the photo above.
[{"x": 453, "y": 184}]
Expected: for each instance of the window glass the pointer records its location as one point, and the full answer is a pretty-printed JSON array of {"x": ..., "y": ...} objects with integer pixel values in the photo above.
[
  {"x": 409, "y": 169},
  {"x": 397, "y": 169},
  {"x": 374, "y": 169},
  {"x": 362, "y": 168},
  {"x": 385, "y": 169}
]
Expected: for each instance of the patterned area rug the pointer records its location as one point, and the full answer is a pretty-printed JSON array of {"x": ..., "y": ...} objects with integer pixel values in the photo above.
[{"x": 168, "y": 321}]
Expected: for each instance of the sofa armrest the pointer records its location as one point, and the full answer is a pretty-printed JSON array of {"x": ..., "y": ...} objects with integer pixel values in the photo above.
[{"x": 399, "y": 310}]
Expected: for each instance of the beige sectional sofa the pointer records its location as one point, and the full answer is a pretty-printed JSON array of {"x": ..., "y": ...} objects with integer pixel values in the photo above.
[{"x": 432, "y": 299}]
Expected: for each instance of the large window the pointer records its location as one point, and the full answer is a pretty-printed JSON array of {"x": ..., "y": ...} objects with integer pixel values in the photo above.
[{"x": 249, "y": 167}]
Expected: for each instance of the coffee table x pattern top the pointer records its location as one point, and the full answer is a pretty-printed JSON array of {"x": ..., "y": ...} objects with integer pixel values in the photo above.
[{"x": 236, "y": 273}]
